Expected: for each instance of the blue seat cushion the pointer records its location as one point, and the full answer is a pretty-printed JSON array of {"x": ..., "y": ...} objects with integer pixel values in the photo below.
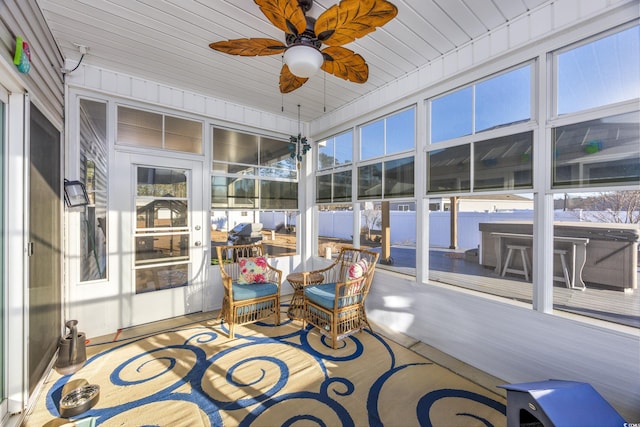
[
  {"x": 323, "y": 295},
  {"x": 253, "y": 290}
]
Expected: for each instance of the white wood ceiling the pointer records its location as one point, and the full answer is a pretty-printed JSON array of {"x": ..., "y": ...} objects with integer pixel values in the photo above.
[{"x": 167, "y": 41}]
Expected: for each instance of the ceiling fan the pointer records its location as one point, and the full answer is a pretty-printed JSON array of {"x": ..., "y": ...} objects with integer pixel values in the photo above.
[{"x": 340, "y": 24}]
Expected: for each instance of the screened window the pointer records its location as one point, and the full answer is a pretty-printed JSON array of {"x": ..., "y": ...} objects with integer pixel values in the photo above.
[
  {"x": 335, "y": 187},
  {"x": 498, "y": 101},
  {"x": 154, "y": 130},
  {"x": 392, "y": 134},
  {"x": 253, "y": 180},
  {"x": 597, "y": 152},
  {"x": 370, "y": 181},
  {"x": 449, "y": 169},
  {"x": 233, "y": 193},
  {"x": 602, "y": 72},
  {"x": 278, "y": 195},
  {"x": 247, "y": 154},
  {"x": 398, "y": 178},
  {"x": 504, "y": 163}
]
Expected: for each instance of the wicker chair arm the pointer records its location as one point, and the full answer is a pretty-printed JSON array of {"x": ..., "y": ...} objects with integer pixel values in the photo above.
[{"x": 274, "y": 275}]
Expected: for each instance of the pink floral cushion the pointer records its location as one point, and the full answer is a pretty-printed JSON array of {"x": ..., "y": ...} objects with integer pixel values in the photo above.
[
  {"x": 253, "y": 270},
  {"x": 357, "y": 269}
]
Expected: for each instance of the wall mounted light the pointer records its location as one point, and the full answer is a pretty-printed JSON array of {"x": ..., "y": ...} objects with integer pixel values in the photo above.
[{"x": 75, "y": 194}]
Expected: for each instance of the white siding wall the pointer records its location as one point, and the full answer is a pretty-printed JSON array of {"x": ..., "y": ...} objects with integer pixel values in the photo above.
[
  {"x": 131, "y": 87},
  {"x": 44, "y": 80}
]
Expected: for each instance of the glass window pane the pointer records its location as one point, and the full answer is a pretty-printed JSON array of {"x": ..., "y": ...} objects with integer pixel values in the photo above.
[
  {"x": 149, "y": 279},
  {"x": 400, "y": 131},
  {"x": 161, "y": 213},
  {"x": 504, "y": 99},
  {"x": 449, "y": 169},
  {"x": 278, "y": 195},
  {"x": 275, "y": 153},
  {"x": 233, "y": 193},
  {"x": 158, "y": 182},
  {"x": 242, "y": 193},
  {"x": 93, "y": 172},
  {"x": 451, "y": 115},
  {"x": 464, "y": 249},
  {"x": 399, "y": 178},
  {"x": 323, "y": 188},
  {"x": 601, "y": 229},
  {"x": 372, "y": 140},
  {"x": 335, "y": 228},
  {"x": 278, "y": 229},
  {"x": 342, "y": 186},
  {"x": 326, "y": 157},
  {"x": 139, "y": 128},
  {"x": 370, "y": 181},
  {"x": 598, "y": 152},
  {"x": 220, "y": 191},
  {"x": 600, "y": 73},
  {"x": 280, "y": 170},
  {"x": 504, "y": 163},
  {"x": 344, "y": 148},
  {"x": 159, "y": 247},
  {"x": 235, "y": 147},
  {"x": 183, "y": 135}
]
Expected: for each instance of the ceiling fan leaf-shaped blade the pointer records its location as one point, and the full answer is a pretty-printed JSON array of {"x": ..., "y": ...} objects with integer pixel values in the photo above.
[
  {"x": 351, "y": 19},
  {"x": 288, "y": 81},
  {"x": 344, "y": 63},
  {"x": 284, "y": 14},
  {"x": 249, "y": 47}
]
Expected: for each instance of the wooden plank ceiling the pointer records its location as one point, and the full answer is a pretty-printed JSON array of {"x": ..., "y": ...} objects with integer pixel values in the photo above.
[{"x": 168, "y": 41}]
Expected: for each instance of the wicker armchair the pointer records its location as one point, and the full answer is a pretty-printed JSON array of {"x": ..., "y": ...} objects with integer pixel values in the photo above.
[
  {"x": 336, "y": 306},
  {"x": 248, "y": 296}
]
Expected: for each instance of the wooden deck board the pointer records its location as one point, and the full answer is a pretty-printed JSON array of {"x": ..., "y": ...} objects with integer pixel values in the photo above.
[{"x": 611, "y": 305}]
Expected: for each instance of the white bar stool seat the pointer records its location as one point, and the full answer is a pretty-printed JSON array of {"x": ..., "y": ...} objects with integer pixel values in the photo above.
[{"x": 526, "y": 265}]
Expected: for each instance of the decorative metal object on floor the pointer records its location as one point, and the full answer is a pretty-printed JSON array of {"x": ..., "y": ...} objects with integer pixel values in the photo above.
[
  {"x": 72, "y": 353},
  {"x": 79, "y": 400}
]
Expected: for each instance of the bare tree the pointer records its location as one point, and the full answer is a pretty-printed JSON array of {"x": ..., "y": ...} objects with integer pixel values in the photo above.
[
  {"x": 613, "y": 206},
  {"x": 372, "y": 218}
]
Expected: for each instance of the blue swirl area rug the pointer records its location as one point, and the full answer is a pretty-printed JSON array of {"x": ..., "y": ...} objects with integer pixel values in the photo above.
[{"x": 268, "y": 376}]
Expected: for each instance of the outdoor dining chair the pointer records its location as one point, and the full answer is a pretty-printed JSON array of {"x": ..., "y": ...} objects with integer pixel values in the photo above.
[
  {"x": 336, "y": 306},
  {"x": 251, "y": 285}
]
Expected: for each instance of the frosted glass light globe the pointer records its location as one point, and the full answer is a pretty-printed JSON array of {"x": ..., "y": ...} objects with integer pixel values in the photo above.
[{"x": 303, "y": 61}]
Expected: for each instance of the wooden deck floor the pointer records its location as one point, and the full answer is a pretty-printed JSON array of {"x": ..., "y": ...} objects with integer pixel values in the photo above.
[
  {"x": 611, "y": 305},
  {"x": 445, "y": 267}
]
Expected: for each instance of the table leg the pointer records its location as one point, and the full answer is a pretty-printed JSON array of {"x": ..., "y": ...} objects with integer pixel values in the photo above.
[
  {"x": 297, "y": 304},
  {"x": 498, "y": 250},
  {"x": 579, "y": 260}
]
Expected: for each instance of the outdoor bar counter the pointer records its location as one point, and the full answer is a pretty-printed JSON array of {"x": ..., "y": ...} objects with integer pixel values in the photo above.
[{"x": 611, "y": 251}]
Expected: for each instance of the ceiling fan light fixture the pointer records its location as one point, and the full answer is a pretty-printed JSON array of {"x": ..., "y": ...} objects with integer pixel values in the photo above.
[{"x": 303, "y": 60}]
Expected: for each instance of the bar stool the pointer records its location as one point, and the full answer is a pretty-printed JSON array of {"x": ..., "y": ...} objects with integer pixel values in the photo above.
[
  {"x": 562, "y": 253},
  {"x": 525, "y": 261}
]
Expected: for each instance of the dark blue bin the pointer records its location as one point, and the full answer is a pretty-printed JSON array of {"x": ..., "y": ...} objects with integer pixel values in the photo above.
[{"x": 557, "y": 403}]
